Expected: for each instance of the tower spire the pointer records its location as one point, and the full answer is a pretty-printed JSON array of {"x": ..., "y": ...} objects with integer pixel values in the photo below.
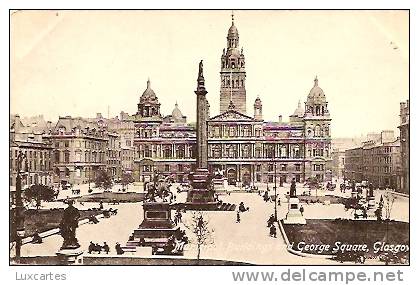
[
  {"x": 232, "y": 17},
  {"x": 316, "y": 81}
]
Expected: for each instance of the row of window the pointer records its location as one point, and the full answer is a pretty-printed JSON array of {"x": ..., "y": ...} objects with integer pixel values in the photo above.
[{"x": 42, "y": 154}]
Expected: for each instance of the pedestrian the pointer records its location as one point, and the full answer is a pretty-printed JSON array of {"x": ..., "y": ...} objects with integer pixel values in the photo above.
[
  {"x": 272, "y": 231},
  {"x": 279, "y": 201},
  {"x": 271, "y": 220},
  {"x": 119, "y": 249},
  {"x": 238, "y": 217},
  {"x": 100, "y": 205},
  {"x": 105, "y": 247},
  {"x": 302, "y": 210}
]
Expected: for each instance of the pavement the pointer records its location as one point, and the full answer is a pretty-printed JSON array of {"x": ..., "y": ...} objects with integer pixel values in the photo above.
[{"x": 247, "y": 241}]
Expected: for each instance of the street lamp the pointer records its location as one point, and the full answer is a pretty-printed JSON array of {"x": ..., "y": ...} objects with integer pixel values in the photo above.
[
  {"x": 19, "y": 209},
  {"x": 276, "y": 211},
  {"x": 275, "y": 176}
]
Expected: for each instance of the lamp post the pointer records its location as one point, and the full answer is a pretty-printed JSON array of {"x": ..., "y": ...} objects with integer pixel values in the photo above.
[
  {"x": 19, "y": 210},
  {"x": 89, "y": 178},
  {"x": 275, "y": 206}
]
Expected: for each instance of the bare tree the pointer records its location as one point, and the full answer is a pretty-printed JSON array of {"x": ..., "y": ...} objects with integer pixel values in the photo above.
[
  {"x": 388, "y": 206},
  {"x": 203, "y": 235}
]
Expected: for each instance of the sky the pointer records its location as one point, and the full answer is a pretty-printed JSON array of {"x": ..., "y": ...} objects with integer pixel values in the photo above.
[{"x": 79, "y": 63}]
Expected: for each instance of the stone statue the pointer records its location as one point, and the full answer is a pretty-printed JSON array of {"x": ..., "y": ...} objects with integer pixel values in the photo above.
[
  {"x": 293, "y": 189},
  {"x": 68, "y": 225},
  {"x": 201, "y": 70}
]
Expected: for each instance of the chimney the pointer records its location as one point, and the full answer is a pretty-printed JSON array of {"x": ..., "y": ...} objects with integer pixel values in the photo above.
[{"x": 280, "y": 118}]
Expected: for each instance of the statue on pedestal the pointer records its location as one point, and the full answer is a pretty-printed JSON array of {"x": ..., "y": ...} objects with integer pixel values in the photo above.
[
  {"x": 293, "y": 189},
  {"x": 68, "y": 225}
]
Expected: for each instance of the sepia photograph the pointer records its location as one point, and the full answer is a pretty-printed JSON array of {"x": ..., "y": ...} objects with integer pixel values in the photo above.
[{"x": 209, "y": 137}]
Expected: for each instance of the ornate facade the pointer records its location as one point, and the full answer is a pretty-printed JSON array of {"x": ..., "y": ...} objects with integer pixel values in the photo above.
[
  {"x": 244, "y": 147},
  {"x": 376, "y": 161},
  {"x": 233, "y": 73},
  {"x": 37, "y": 165},
  {"x": 80, "y": 150}
]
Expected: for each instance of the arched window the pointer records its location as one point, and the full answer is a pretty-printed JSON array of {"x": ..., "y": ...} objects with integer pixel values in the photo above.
[
  {"x": 283, "y": 151},
  {"x": 167, "y": 153},
  {"x": 317, "y": 131},
  {"x": 232, "y": 152},
  {"x": 180, "y": 152},
  {"x": 270, "y": 151},
  {"x": 57, "y": 156},
  {"x": 232, "y": 131},
  {"x": 258, "y": 152}
]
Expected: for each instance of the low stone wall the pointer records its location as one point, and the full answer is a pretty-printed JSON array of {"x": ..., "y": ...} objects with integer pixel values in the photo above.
[
  {"x": 296, "y": 252},
  {"x": 56, "y": 230}
]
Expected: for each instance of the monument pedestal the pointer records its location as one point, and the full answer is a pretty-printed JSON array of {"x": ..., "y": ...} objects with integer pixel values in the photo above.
[
  {"x": 70, "y": 256},
  {"x": 156, "y": 227},
  {"x": 294, "y": 215},
  {"x": 200, "y": 197}
]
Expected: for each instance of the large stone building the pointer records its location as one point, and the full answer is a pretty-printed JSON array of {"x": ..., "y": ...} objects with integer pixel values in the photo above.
[
  {"x": 376, "y": 161},
  {"x": 339, "y": 146},
  {"x": 80, "y": 150},
  {"x": 29, "y": 138},
  {"x": 405, "y": 146},
  {"x": 244, "y": 147}
]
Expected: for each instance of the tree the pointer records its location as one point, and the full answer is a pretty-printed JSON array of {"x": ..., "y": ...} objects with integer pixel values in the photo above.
[
  {"x": 38, "y": 193},
  {"x": 388, "y": 204},
  {"x": 313, "y": 183},
  {"x": 388, "y": 207},
  {"x": 103, "y": 180},
  {"x": 126, "y": 179},
  {"x": 202, "y": 233}
]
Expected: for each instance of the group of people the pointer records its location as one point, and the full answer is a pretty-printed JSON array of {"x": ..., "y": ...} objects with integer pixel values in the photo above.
[
  {"x": 271, "y": 226},
  {"x": 178, "y": 217},
  {"x": 95, "y": 247},
  {"x": 176, "y": 243}
]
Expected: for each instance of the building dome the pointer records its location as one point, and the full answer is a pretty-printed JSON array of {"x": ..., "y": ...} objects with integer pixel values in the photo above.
[
  {"x": 176, "y": 113},
  {"x": 316, "y": 92},
  {"x": 299, "y": 112},
  {"x": 233, "y": 30},
  {"x": 148, "y": 95}
]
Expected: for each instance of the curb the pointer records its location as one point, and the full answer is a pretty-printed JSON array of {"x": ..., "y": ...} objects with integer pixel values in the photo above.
[
  {"x": 299, "y": 253},
  {"x": 55, "y": 231}
]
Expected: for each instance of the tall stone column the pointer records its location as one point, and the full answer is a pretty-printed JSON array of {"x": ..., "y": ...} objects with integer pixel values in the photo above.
[
  {"x": 201, "y": 196},
  {"x": 201, "y": 121}
]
